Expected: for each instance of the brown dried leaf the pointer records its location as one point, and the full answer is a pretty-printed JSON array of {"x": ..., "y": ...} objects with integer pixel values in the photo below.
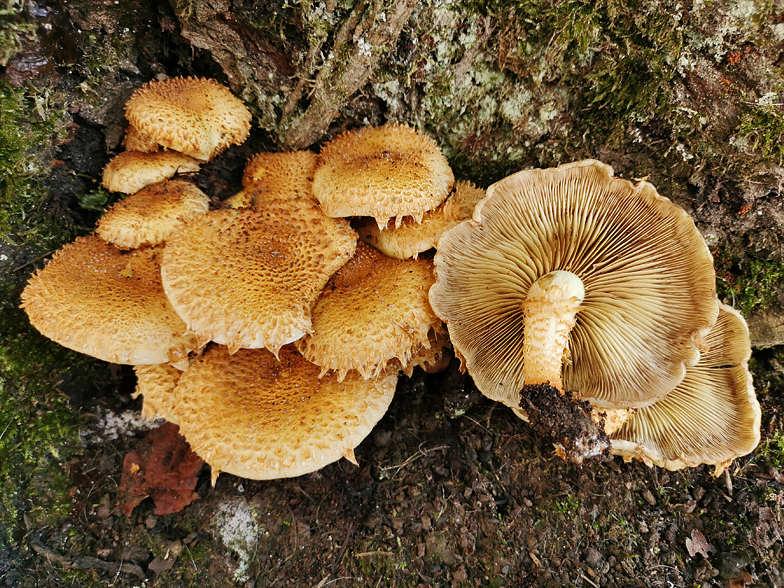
[
  {"x": 163, "y": 467},
  {"x": 698, "y": 544},
  {"x": 159, "y": 565}
]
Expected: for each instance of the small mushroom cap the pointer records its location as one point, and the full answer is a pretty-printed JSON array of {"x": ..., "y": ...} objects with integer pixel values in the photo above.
[
  {"x": 383, "y": 172},
  {"x": 249, "y": 278},
  {"x": 95, "y": 299},
  {"x": 131, "y": 171},
  {"x": 711, "y": 417},
  {"x": 155, "y": 383},
  {"x": 255, "y": 416},
  {"x": 648, "y": 278},
  {"x": 276, "y": 175},
  {"x": 195, "y": 116},
  {"x": 136, "y": 141},
  {"x": 153, "y": 213},
  {"x": 410, "y": 239},
  {"x": 373, "y": 310}
]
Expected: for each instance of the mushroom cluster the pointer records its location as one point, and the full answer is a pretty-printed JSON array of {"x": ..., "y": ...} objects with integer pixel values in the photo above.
[
  {"x": 272, "y": 328},
  {"x": 261, "y": 327},
  {"x": 587, "y": 304}
]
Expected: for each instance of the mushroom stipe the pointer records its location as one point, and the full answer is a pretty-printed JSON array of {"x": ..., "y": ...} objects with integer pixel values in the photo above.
[{"x": 564, "y": 419}]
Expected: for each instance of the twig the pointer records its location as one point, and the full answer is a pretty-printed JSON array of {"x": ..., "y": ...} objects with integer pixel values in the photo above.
[
  {"x": 39, "y": 258},
  {"x": 412, "y": 458},
  {"x": 83, "y": 562},
  {"x": 584, "y": 577}
]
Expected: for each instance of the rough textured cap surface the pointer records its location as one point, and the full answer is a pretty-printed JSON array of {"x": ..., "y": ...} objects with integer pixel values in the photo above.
[
  {"x": 95, "y": 299},
  {"x": 195, "y": 116},
  {"x": 131, "y": 171},
  {"x": 383, "y": 172},
  {"x": 254, "y": 416},
  {"x": 249, "y": 278},
  {"x": 711, "y": 417},
  {"x": 155, "y": 383},
  {"x": 410, "y": 239},
  {"x": 374, "y": 309},
  {"x": 136, "y": 141},
  {"x": 648, "y": 278},
  {"x": 153, "y": 213}
]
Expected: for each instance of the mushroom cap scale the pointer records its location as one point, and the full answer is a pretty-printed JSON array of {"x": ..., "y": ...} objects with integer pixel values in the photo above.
[
  {"x": 383, "y": 172},
  {"x": 410, "y": 239},
  {"x": 136, "y": 141},
  {"x": 374, "y": 309},
  {"x": 131, "y": 171},
  {"x": 95, "y": 299},
  {"x": 712, "y": 416},
  {"x": 195, "y": 116},
  {"x": 249, "y": 277},
  {"x": 150, "y": 215},
  {"x": 255, "y": 416},
  {"x": 647, "y": 273}
]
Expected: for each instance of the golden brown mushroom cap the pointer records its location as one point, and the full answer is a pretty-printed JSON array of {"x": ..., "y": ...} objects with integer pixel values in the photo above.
[
  {"x": 374, "y": 309},
  {"x": 249, "y": 278},
  {"x": 131, "y": 171},
  {"x": 150, "y": 215},
  {"x": 410, "y": 239},
  {"x": 383, "y": 172},
  {"x": 648, "y": 278},
  {"x": 276, "y": 175},
  {"x": 195, "y": 116},
  {"x": 254, "y": 416},
  {"x": 711, "y": 417},
  {"x": 95, "y": 299},
  {"x": 155, "y": 383},
  {"x": 136, "y": 141}
]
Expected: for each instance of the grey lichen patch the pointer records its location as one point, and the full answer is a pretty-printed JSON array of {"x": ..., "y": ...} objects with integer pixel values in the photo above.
[{"x": 236, "y": 523}]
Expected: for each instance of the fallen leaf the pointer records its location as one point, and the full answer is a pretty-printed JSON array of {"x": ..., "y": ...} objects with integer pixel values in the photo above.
[
  {"x": 159, "y": 565},
  {"x": 741, "y": 582},
  {"x": 162, "y": 467},
  {"x": 698, "y": 544}
]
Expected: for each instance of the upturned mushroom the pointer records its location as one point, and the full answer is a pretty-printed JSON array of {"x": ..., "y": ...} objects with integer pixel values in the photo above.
[
  {"x": 712, "y": 416},
  {"x": 572, "y": 288},
  {"x": 257, "y": 416},
  {"x": 383, "y": 172}
]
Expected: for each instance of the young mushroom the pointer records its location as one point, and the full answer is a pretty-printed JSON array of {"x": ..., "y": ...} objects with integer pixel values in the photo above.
[{"x": 572, "y": 287}]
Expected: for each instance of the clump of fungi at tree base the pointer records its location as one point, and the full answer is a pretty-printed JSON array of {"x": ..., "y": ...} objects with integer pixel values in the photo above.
[{"x": 275, "y": 339}]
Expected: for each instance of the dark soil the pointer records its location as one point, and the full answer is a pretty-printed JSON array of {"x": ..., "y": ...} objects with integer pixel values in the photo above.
[{"x": 564, "y": 419}]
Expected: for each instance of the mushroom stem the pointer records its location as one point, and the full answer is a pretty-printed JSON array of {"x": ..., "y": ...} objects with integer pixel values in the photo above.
[{"x": 550, "y": 313}]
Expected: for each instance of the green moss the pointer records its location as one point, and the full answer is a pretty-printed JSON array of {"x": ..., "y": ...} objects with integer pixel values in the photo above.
[
  {"x": 755, "y": 284},
  {"x": 760, "y": 131},
  {"x": 13, "y": 31},
  {"x": 27, "y": 126}
]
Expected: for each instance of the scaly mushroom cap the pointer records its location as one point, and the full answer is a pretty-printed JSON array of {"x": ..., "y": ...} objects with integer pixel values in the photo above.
[
  {"x": 410, "y": 239},
  {"x": 276, "y": 175},
  {"x": 254, "y": 416},
  {"x": 155, "y": 383},
  {"x": 374, "y": 309},
  {"x": 95, "y": 299},
  {"x": 249, "y": 278},
  {"x": 131, "y": 171},
  {"x": 648, "y": 278},
  {"x": 712, "y": 417},
  {"x": 153, "y": 213},
  {"x": 383, "y": 172},
  {"x": 195, "y": 116},
  {"x": 136, "y": 141}
]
